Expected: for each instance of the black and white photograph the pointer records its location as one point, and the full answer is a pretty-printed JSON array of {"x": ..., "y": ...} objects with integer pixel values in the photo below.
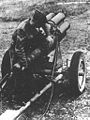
[{"x": 44, "y": 59}]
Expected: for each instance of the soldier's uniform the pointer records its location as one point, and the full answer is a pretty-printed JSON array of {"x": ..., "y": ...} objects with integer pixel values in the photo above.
[{"x": 29, "y": 43}]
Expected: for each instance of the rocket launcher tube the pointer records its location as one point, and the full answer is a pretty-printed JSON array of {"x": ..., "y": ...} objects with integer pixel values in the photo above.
[
  {"x": 65, "y": 26},
  {"x": 50, "y": 15},
  {"x": 53, "y": 21},
  {"x": 58, "y": 18},
  {"x": 60, "y": 32}
]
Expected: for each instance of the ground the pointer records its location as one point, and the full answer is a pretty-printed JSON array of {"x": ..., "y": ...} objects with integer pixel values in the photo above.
[{"x": 77, "y": 38}]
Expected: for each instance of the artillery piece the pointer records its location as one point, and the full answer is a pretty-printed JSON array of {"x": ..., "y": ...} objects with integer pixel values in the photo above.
[{"x": 46, "y": 78}]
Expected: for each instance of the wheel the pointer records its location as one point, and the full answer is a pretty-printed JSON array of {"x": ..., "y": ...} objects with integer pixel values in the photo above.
[
  {"x": 5, "y": 66},
  {"x": 77, "y": 73}
]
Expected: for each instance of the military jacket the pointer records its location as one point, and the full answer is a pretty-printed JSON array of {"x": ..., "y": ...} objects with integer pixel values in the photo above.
[{"x": 26, "y": 39}]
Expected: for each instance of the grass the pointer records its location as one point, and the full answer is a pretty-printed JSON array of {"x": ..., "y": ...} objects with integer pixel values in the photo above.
[{"x": 24, "y": 11}]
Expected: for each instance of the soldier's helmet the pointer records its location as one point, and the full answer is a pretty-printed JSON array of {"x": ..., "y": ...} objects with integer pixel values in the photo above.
[{"x": 39, "y": 18}]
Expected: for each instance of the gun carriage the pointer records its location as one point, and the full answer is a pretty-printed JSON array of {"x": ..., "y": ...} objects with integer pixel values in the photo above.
[{"x": 54, "y": 74}]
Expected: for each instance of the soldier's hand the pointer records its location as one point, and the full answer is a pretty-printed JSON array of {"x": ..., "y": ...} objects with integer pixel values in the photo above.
[
  {"x": 17, "y": 65},
  {"x": 23, "y": 68},
  {"x": 50, "y": 40},
  {"x": 16, "y": 68}
]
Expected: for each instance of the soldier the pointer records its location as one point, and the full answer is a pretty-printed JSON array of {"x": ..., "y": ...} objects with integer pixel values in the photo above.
[
  {"x": 29, "y": 49},
  {"x": 29, "y": 41}
]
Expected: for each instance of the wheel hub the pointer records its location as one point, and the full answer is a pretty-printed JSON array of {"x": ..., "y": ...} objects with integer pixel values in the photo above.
[{"x": 81, "y": 75}]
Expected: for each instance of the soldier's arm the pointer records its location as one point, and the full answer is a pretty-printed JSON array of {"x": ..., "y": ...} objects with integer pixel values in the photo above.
[{"x": 19, "y": 47}]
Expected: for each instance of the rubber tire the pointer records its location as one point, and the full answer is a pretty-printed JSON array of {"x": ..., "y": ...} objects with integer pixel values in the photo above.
[
  {"x": 73, "y": 72},
  {"x": 5, "y": 66}
]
